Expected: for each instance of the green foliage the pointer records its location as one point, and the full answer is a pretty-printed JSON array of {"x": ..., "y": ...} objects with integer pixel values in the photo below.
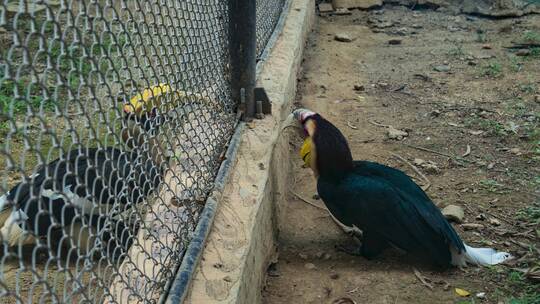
[
  {"x": 456, "y": 51},
  {"x": 481, "y": 36},
  {"x": 492, "y": 186},
  {"x": 529, "y": 87},
  {"x": 531, "y": 36},
  {"x": 516, "y": 64},
  {"x": 530, "y": 213},
  {"x": 492, "y": 69},
  {"x": 530, "y": 291}
]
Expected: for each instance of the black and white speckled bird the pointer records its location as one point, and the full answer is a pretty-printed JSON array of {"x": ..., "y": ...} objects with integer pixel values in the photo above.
[{"x": 86, "y": 187}]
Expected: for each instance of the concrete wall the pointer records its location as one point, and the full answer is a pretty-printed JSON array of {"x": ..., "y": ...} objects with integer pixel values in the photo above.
[{"x": 242, "y": 241}]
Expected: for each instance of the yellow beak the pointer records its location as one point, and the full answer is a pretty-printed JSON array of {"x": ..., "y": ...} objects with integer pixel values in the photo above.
[
  {"x": 147, "y": 100},
  {"x": 306, "y": 153}
]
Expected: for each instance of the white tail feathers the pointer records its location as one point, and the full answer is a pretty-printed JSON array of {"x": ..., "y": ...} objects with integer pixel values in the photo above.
[
  {"x": 478, "y": 256},
  {"x": 11, "y": 232}
]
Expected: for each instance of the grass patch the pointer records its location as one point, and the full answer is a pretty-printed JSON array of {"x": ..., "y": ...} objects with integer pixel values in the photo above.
[
  {"x": 516, "y": 64},
  {"x": 493, "y": 186},
  {"x": 531, "y": 37},
  {"x": 492, "y": 69},
  {"x": 492, "y": 127},
  {"x": 481, "y": 36},
  {"x": 530, "y": 213},
  {"x": 527, "y": 292},
  {"x": 529, "y": 88},
  {"x": 456, "y": 51}
]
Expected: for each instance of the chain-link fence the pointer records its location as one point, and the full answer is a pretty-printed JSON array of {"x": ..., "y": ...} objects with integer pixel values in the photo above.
[
  {"x": 268, "y": 13},
  {"x": 115, "y": 116}
]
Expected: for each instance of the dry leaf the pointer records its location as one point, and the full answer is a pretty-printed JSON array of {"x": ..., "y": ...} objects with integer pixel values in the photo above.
[{"x": 462, "y": 292}]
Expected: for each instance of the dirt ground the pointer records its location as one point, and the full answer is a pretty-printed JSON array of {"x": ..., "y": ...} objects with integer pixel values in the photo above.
[{"x": 483, "y": 98}]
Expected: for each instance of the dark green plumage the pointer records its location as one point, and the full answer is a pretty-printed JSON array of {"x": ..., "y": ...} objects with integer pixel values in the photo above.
[{"x": 381, "y": 201}]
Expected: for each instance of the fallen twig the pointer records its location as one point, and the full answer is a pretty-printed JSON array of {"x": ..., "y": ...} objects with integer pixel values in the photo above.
[
  {"x": 525, "y": 45},
  {"x": 438, "y": 153},
  {"x": 426, "y": 180},
  {"x": 467, "y": 152},
  {"x": 422, "y": 76},
  {"x": 422, "y": 279},
  {"x": 351, "y": 126},
  {"x": 378, "y": 124},
  {"x": 307, "y": 201}
]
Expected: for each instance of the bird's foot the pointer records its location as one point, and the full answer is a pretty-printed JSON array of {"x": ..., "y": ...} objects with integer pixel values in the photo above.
[
  {"x": 355, "y": 233},
  {"x": 351, "y": 249}
]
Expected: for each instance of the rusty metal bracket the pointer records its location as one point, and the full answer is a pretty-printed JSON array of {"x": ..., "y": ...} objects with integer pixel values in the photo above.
[{"x": 262, "y": 102}]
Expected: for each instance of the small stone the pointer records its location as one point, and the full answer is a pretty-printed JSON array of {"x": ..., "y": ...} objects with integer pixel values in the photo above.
[
  {"x": 327, "y": 256},
  {"x": 516, "y": 151},
  {"x": 442, "y": 68},
  {"x": 359, "y": 87},
  {"x": 418, "y": 161},
  {"x": 416, "y": 26},
  {"x": 507, "y": 244},
  {"x": 309, "y": 266},
  {"x": 342, "y": 11},
  {"x": 334, "y": 276},
  {"x": 481, "y": 217},
  {"x": 402, "y": 31},
  {"x": 326, "y": 8},
  {"x": 486, "y": 47},
  {"x": 490, "y": 166},
  {"x": 342, "y": 37},
  {"x": 431, "y": 168},
  {"x": 472, "y": 63},
  {"x": 319, "y": 254},
  {"x": 316, "y": 197},
  {"x": 384, "y": 24},
  {"x": 472, "y": 226},
  {"x": 494, "y": 222},
  {"x": 303, "y": 256},
  {"x": 454, "y": 213},
  {"x": 396, "y": 134},
  {"x": 481, "y": 295},
  {"x": 537, "y": 98},
  {"x": 523, "y": 52},
  {"x": 486, "y": 56},
  {"x": 394, "y": 41}
]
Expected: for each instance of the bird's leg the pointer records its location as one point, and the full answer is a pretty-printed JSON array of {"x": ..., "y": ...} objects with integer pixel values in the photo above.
[
  {"x": 372, "y": 245},
  {"x": 353, "y": 231}
]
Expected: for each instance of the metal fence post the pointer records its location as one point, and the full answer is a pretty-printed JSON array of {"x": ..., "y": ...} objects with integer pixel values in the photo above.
[{"x": 242, "y": 52}]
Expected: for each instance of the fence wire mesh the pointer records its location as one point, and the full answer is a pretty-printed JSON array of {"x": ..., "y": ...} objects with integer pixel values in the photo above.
[
  {"x": 115, "y": 116},
  {"x": 268, "y": 13}
]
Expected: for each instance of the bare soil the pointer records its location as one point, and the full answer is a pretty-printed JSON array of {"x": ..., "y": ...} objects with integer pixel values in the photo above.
[{"x": 485, "y": 97}]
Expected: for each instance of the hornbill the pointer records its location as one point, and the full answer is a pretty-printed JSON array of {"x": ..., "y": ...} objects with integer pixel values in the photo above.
[
  {"x": 77, "y": 199},
  {"x": 382, "y": 202}
]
